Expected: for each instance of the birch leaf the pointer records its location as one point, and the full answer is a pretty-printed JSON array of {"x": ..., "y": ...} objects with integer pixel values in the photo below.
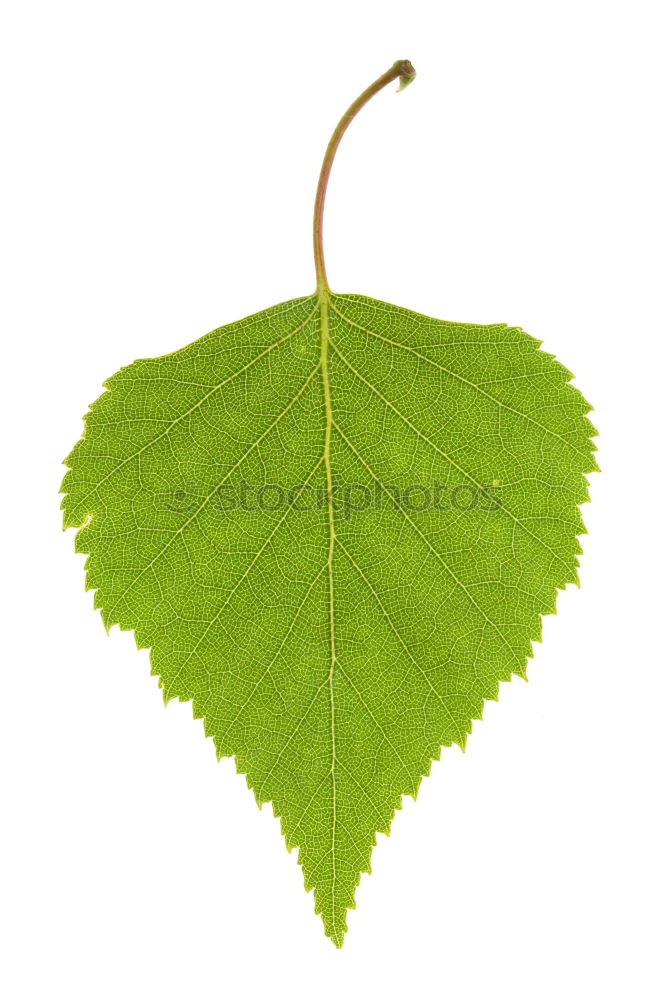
[{"x": 336, "y": 525}]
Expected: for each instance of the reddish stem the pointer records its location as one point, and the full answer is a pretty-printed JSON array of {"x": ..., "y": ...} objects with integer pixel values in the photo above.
[{"x": 403, "y": 69}]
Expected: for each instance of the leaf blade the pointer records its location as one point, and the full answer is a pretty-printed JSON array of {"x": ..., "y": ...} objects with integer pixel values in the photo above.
[{"x": 334, "y": 651}]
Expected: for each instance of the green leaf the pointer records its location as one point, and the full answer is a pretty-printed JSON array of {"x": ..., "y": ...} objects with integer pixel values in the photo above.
[
  {"x": 334, "y": 651},
  {"x": 336, "y": 524}
]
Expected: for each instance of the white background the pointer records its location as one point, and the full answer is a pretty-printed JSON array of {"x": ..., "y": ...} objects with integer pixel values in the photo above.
[{"x": 159, "y": 168}]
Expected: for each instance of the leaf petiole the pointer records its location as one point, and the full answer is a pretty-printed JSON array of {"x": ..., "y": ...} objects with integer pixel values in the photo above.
[{"x": 406, "y": 72}]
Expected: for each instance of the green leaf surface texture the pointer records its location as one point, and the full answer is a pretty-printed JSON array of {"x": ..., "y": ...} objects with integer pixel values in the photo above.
[{"x": 333, "y": 643}]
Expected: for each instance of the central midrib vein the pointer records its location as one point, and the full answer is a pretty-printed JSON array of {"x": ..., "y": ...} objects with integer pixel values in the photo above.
[
  {"x": 323, "y": 323},
  {"x": 404, "y": 70}
]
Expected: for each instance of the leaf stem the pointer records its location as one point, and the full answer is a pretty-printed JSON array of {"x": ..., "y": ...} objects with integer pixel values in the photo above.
[{"x": 403, "y": 69}]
